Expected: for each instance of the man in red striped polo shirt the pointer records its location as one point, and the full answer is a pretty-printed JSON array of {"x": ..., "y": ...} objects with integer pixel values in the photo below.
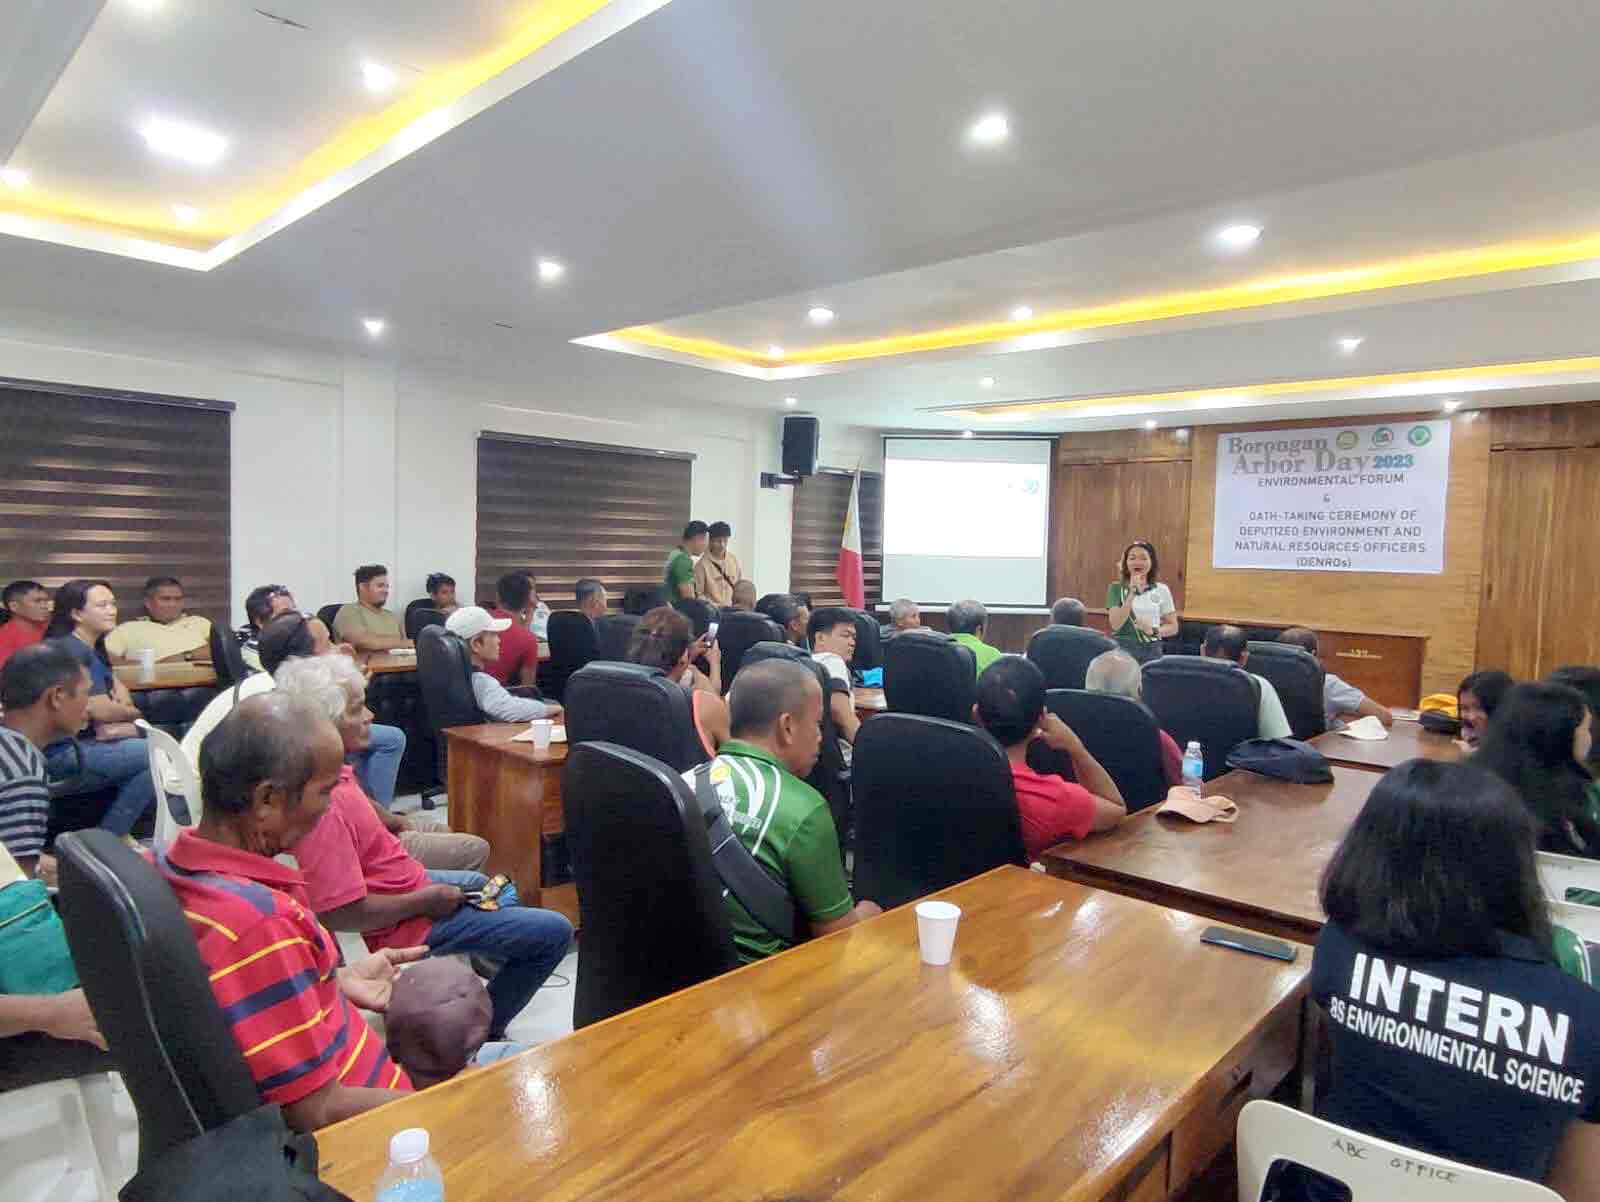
[{"x": 267, "y": 772}]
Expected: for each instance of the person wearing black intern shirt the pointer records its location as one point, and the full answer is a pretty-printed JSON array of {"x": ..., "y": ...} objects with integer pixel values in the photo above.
[{"x": 1454, "y": 1032}]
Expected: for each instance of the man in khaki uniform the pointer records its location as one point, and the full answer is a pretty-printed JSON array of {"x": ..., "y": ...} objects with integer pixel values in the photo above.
[{"x": 718, "y": 569}]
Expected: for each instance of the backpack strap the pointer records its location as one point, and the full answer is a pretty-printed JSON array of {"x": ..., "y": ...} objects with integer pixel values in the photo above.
[{"x": 765, "y": 899}]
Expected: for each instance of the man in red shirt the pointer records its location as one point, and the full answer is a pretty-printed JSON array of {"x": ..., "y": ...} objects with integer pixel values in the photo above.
[
  {"x": 266, "y": 774},
  {"x": 519, "y": 646},
  {"x": 28, "y": 603},
  {"x": 1011, "y": 708}
]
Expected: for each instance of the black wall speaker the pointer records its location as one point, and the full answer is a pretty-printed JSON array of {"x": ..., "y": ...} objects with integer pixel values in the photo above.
[{"x": 800, "y": 436}]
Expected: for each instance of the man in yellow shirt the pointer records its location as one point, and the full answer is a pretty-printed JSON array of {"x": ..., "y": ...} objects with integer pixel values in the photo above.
[
  {"x": 366, "y": 625},
  {"x": 165, "y": 629},
  {"x": 718, "y": 569}
]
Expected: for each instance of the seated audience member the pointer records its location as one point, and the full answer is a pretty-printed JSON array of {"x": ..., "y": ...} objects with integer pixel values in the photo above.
[
  {"x": 832, "y": 631},
  {"x": 776, "y": 715},
  {"x": 1539, "y": 742},
  {"x": 360, "y": 878},
  {"x": 165, "y": 629},
  {"x": 1587, "y": 681},
  {"x": 1118, "y": 672},
  {"x": 904, "y": 614},
  {"x": 640, "y": 600},
  {"x": 267, "y": 773},
  {"x": 260, "y": 607},
  {"x": 45, "y": 1036},
  {"x": 365, "y": 624},
  {"x": 591, "y": 597},
  {"x": 677, "y": 576},
  {"x": 44, "y": 696},
  {"x": 1456, "y": 945},
  {"x": 1011, "y": 708},
  {"x": 518, "y": 661},
  {"x": 1068, "y": 611},
  {"x": 1232, "y": 644},
  {"x": 744, "y": 595},
  {"x": 25, "y": 617},
  {"x": 1340, "y": 701},
  {"x": 717, "y": 571},
  {"x": 111, "y": 751},
  {"x": 1477, "y": 698},
  {"x": 786, "y": 610},
  {"x": 442, "y": 592},
  {"x": 664, "y": 639},
  {"x": 481, "y": 633},
  {"x": 968, "y": 622}
]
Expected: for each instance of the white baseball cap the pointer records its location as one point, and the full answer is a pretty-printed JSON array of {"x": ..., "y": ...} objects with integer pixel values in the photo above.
[{"x": 470, "y": 621}]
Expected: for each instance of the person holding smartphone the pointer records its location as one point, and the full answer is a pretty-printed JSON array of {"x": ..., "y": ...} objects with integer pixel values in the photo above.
[
  {"x": 1139, "y": 607},
  {"x": 664, "y": 639}
]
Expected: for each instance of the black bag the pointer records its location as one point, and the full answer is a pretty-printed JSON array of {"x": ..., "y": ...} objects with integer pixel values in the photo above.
[
  {"x": 1439, "y": 722},
  {"x": 253, "y": 1158},
  {"x": 1285, "y": 759}
]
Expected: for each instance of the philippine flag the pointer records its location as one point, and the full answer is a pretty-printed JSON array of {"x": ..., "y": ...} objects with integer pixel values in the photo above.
[{"x": 848, "y": 572}]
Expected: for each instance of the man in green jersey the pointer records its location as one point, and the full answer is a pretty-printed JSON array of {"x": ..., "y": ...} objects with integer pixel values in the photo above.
[
  {"x": 783, "y": 822},
  {"x": 678, "y": 576}
]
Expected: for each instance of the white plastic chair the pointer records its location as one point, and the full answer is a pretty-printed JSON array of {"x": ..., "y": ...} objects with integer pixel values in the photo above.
[
  {"x": 86, "y": 1120},
  {"x": 1374, "y": 1170},
  {"x": 169, "y": 765},
  {"x": 1559, "y": 873}
]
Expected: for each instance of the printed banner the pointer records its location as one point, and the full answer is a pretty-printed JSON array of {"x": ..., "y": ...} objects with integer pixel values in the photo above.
[{"x": 1333, "y": 499}]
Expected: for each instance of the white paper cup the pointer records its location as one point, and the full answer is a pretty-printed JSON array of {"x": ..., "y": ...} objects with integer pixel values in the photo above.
[
  {"x": 147, "y": 663},
  {"x": 541, "y": 733},
  {"x": 936, "y": 930}
]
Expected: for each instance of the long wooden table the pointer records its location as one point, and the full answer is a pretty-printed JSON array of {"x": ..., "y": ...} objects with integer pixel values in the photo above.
[
  {"x": 175, "y": 675},
  {"x": 1260, "y": 872},
  {"x": 1081, "y": 1046},
  {"x": 510, "y": 794},
  {"x": 1407, "y": 741}
]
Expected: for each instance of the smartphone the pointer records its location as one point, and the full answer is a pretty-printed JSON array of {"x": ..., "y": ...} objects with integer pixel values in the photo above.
[
  {"x": 1244, "y": 941},
  {"x": 711, "y": 633}
]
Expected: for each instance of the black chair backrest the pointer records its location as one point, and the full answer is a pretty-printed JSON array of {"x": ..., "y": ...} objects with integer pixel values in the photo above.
[
  {"x": 226, "y": 660},
  {"x": 633, "y": 706},
  {"x": 444, "y": 676},
  {"x": 930, "y": 674},
  {"x": 828, "y": 774},
  {"x": 418, "y": 617},
  {"x": 573, "y": 643},
  {"x": 1207, "y": 700},
  {"x": 934, "y": 805},
  {"x": 1063, "y": 653},
  {"x": 869, "y": 643},
  {"x": 1119, "y": 732},
  {"x": 1297, "y": 677},
  {"x": 150, "y": 994},
  {"x": 700, "y": 613},
  {"x": 613, "y": 633},
  {"x": 639, "y": 600},
  {"x": 649, "y": 900},
  {"x": 327, "y": 614},
  {"x": 737, "y": 633}
]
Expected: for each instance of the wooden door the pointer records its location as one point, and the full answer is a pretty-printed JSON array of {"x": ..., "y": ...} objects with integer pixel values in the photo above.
[
  {"x": 1570, "y": 615},
  {"x": 1102, "y": 507},
  {"x": 1521, "y": 501}
]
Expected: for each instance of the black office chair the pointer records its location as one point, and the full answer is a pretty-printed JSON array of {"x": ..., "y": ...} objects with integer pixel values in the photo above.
[
  {"x": 829, "y": 776},
  {"x": 150, "y": 994},
  {"x": 444, "y": 676},
  {"x": 1064, "y": 653},
  {"x": 226, "y": 660},
  {"x": 1208, "y": 700},
  {"x": 420, "y": 616},
  {"x": 328, "y": 613},
  {"x": 934, "y": 806},
  {"x": 1298, "y": 679},
  {"x": 700, "y": 613},
  {"x": 636, "y": 707},
  {"x": 930, "y": 674},
  {"x": 639, "y": 600},
  {"x": 613, "y": 634},
  {"x": 573, "y": 643},
  {"x": 869, "y": 643},
  {"x": 738, "y": 633},
  {"x": 649, "y": 900},
  {"x": 1121, "y": 733}
]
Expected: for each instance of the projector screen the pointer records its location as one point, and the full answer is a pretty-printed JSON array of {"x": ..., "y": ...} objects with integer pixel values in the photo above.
[{"x": 966, "y": 518}]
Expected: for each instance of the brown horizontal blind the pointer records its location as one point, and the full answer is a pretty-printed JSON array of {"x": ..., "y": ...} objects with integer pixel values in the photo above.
[
  {"x": 115, "y": 489},
  {"x": 562, "y": 511},
  {"x": 820, "y": 504}
]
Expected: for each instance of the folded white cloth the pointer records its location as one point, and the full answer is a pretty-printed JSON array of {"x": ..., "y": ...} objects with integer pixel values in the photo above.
[{"x": 1368, "y": 728}]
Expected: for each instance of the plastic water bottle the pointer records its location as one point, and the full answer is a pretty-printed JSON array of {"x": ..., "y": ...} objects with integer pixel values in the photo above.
[
  {"x": 412, "y": 1175},
  {"x": 1194, "y": 765}
]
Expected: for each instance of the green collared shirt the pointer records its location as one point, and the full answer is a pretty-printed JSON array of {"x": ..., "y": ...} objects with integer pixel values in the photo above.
[{"x": 981, "y": 651}]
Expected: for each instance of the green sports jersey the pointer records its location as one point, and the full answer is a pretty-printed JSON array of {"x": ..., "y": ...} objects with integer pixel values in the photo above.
[
  {"x": 785, "y": 824},
  {"x": 679, "y": 571}
]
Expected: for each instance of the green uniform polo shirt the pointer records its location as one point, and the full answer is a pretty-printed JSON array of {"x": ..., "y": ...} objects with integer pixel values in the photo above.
[
  {"x": 981, "y": 651},
  {"x": 679, "y": 571},
  {"x": 785, "y": 824}
]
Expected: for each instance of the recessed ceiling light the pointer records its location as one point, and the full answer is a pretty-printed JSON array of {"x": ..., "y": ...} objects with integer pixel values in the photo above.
[
  {"x": 775, "y": 351},
  {"x": 989, "y": 130},
  {"x": 376, "y": 76},
  {"x": 1348, "y": 345},
  {"x": 1237, "y": 237},
  {"x": 14, "y": 177},
  {"x": 190, "y": 143},
  {"x": 819, "y": 315},
  {"x": 1149, "y": 423},
  {"x": 1022, "y": 313},
  {"x": 791, "y": 400},
  {"x": 966, "y": 434},
  {"x": 550, "y": 271},
  {"x": 1451, "y": 404},
  {"x": 185, "y": 214},
  {"x": 986, "y": 382},
  {"x": 374, "y": 326}
]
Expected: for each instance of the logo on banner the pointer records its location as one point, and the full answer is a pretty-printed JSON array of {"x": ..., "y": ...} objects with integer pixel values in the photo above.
[
  {"x": 1347, "y": 440},
  {"x": 1382, "y": 437},
  {"x": 1419, "y": 436}
]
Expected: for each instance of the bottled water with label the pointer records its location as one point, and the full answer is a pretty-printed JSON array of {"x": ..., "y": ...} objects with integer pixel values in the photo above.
[
  {"x": 1194, "y": 765},
  {"x": 412, "y": 1175}
]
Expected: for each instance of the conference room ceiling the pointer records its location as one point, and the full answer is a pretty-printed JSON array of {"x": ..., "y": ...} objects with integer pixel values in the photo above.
[{"x": 1423, "y": 176}]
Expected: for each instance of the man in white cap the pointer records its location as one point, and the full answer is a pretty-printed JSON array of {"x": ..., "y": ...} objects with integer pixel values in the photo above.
[{"x": 481, "y": 633}]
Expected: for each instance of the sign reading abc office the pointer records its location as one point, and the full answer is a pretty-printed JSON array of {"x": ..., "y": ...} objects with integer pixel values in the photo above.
[{"x": 1333, "y": 499}]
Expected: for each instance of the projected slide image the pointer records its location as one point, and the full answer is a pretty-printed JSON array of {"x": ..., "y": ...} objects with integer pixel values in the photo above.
[{"x": 985, "y": 510}]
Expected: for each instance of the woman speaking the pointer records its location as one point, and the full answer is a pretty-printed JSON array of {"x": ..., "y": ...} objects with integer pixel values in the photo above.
[{"x": 1139, "y": 607}]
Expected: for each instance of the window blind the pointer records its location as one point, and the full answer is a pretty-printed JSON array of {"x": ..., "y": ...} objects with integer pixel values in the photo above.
[{"x": 820, "y": 505}]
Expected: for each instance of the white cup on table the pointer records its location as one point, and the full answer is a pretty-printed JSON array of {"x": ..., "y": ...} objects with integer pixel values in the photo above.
[
  {"x": 542, "y": 729},
  {"x": 146, "y": 659},
  {"x": 936, "y": 930}
]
